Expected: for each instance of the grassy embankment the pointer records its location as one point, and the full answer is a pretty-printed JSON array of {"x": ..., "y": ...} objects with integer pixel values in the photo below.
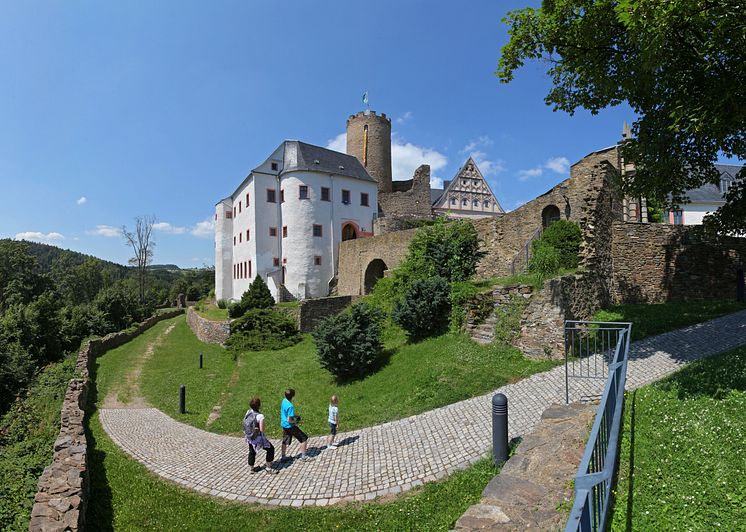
[{"x": 683, "y": 458}]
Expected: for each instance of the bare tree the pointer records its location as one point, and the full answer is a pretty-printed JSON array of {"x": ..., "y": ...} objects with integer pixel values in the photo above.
[{"x": 142, "y": 245}]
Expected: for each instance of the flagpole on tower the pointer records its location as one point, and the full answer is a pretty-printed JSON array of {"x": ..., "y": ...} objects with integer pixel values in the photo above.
[{"x": 365, "y": 101}]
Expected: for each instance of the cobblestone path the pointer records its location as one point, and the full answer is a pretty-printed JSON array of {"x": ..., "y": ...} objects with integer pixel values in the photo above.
[{"x": 395, "y": 456}]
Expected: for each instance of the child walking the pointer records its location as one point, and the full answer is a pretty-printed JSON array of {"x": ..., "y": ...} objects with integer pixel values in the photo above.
[{"x": 333, "y": 422}]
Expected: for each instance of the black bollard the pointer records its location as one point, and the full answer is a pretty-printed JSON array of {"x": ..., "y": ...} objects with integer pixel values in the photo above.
[
  {"x": 740, "y": 296},
  {"x": 500, "y": 428},
  {"x": 182, "y": 399},
  {"x": 200, "y": 361}
]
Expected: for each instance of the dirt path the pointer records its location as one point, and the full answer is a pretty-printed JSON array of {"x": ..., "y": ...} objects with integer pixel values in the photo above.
[
  {"x": 217, "y": 410},
  {"x": 127, "y": 394}
]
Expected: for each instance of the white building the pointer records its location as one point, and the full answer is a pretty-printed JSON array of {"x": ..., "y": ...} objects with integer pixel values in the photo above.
[
  {"x": 286, "y": 219},
  {"x": 705, "y": 199}
]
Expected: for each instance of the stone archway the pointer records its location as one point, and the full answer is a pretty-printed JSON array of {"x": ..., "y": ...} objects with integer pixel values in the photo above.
[
  {"x": 373, "y": 272},
  {"x": 349, "y": 232},
  {"x": 549, "y": 215}
]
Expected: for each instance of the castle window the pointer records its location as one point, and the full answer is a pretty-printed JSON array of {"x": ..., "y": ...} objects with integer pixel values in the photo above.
[
  {"x": 246, "y": 269},
  {"x": 249, "y": 268},
  {"x": 364, "y": 199},
  {"x": 487, "y": 204},
  {"x": 216, "y": 217},
  {"x": 271, "y": 196},
  {"x": 465, "y": 202},
  {"x": 346, "y": 197},
  {"x": 303, "y": 192},
  {"x": 725, "y": 185},
  {"x": 234, "y": 212},
  {"x": 282, "y": 196},
  {"x": 475, "y": 203},
  {"x": 284, "y": 231},
  {"x": 272, "y": 231},
  {"x": 317, "y": 261},
  {"x": 325, "y": 194},
  {"x": 247, "y": 235},
  {"x": 239, "y": 206},
  {"x": 274, "y": 166},
  {"x": 463, "y": 182},
  {"x": 228, "y": 214},
  {"x": 276, "y": 262},
  {"x": 240, "y": 237},
  {"x": 453, "y": 201},
  {"x": 317, "y": 230},
  {"x": 234, "y": 271},
  {"x": 234, "y": 240},
  {"x": 247, "y": 199}
]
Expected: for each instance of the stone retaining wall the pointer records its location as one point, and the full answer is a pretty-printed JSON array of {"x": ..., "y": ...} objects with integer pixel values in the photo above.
[
  {"x": 208, "y": 331},
  {"x": 63, "y": 487},
  {"x": 312, "y": 310}
]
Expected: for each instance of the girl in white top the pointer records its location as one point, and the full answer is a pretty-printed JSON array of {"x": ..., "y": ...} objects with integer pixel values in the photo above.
[{"x": 333, "y": 422}]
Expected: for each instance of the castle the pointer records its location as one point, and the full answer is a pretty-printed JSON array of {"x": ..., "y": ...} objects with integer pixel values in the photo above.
[{"x": 286, "y": 219}]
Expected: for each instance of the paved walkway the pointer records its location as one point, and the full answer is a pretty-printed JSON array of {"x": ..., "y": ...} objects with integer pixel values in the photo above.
[{"x": 395, "y": 456}]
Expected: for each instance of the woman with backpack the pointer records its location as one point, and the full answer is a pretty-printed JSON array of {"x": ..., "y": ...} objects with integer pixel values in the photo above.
[{"x": 253, "y": 428}]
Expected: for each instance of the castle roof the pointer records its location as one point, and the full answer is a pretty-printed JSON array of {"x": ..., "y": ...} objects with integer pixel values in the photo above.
[
  {"x": 299, "y": 155},
  {"x": 710, "y": 192}
]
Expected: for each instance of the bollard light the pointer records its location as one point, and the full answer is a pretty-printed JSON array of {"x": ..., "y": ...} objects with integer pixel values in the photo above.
[
  {"x": 500, "y": 428},
  {"x": 200, "y": 361},
  {"x": 182, "y": 399}
]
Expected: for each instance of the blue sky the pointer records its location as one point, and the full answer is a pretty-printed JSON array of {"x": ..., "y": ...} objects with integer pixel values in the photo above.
[{"x": 111, "y": 110}]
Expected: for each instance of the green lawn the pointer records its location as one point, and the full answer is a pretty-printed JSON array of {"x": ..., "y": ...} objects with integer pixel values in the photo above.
[
  {"x": 683, "y": 457},
  {"x": 211, "y": 311},
  {"x": 416, "y": 378},
  {"x": 648, "y": 320}
]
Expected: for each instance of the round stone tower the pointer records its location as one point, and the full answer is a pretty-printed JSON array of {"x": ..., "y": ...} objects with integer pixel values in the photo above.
[{"x": 369, "y": 139}]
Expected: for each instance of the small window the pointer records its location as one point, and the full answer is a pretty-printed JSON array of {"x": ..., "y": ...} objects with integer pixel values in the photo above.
[
  {"x": 463, "y": 182},
  {"x": 246, "y": 269},
  {"x": 364, "y": 199},
  {"x": 475, "y": 203},
  {"x": 234, "y": 271},
  {"x": 271, "y": 196},
  {"x": 284, "y": 260},
  {"x": 486, "y": 204},
  {"x": 303, "y": 192},
  {"x": 240, "y": 237},
  {"x": 228, "y": 214},
  {"x": 317, "y": 230},
  {"x": 282, "y": 196},
  {"x": 272, "y": 231},
  {"x": 453, "y": 201},
  {"x": 317, "y": 260},
  {"x": 324, "y": 194},
  {"x": 239, "y": 206},
  {"x": 346, "y": 197},
  {"x": 234, "y": 212},
  {"x": 247, "y": 199},
  {"x": 247, "y": 235},
  {"x": 465, "y": 202},
  {"x": 216, "y": 217},
  {"x": 276, "y": 262},
  {"x": 249, "y": 268},
  {"x": 284, "y": 231},
  {"x": 234, "y": 240},
  {"x": 274, "y": 166}
]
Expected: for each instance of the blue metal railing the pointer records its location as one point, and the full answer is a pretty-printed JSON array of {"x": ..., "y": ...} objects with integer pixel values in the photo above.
[{"x": 597, "y": 468}]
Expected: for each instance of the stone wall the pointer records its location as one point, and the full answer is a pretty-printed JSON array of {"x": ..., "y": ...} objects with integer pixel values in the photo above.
[
  {"x": 653, "y": 263},
  {"x": 312, "y": 310},
  {"x": 355, "y": 256},
  {"x": 63, "y": 487},
  {"x": 408, "y": 199},
  {"x": 208, "y": 331}
]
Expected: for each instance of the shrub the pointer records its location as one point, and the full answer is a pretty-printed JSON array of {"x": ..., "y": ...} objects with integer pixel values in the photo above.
[
  {"x": 222, "y": 303},
  {"x": 193, "y": 293},
  {"x": 425, "y": 309},
  {"x": 235, "y": 310},
  {"x": 462, "y": 293},
  {"x": 349, "y": 343},
  {"x": 262, "y": 329},
  {"x": 545, "y": 260},
  {"x": 565, "y": 237},
  {"x": 257, "y": 296}
]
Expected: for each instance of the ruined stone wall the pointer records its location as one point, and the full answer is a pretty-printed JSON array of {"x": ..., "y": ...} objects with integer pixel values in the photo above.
[
  {"x": 356, "y": 255},
  {"x": 408, "y": 202},
  {"x": 63, "y": 487},
  {"x": 208, "y": 331},
  {"x": 313, "y": 310},
  {"x": 653, "y": 263}
]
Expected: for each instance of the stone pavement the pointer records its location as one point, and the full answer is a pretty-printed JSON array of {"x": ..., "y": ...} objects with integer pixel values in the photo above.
[{"x": 395, "y": 456}]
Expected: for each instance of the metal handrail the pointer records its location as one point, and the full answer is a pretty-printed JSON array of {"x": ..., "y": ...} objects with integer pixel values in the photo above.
[
  {"x": 526, "y": 250},
  {"x": 598, "y": 465}
]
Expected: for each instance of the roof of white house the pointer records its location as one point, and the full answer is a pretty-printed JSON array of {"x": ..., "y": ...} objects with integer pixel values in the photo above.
[{"x": 712, "y": 193}]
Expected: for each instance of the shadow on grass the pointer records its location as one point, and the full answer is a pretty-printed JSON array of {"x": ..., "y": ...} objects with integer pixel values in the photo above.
[
  {"x": 381, "y": 362},
  {"x": 99, "y": 510},
  {"x": 713, "y": 377}
]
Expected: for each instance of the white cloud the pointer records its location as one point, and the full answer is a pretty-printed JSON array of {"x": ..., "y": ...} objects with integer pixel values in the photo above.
[
  {"x": 166, "y": 227},
  {"x": 338, "y": 143},
  {"x": 203, "y": 229},
  {"x": 81, "y": 200},
  {"x": 480, "y": 142},
  {"x": 487, "y": 166},
  {"x": 524, "y": 175},
  {"x": 106, "y": 230},
  {"x": 405, "y": 157},
  {"x": 436, "y": 182},
  {"x": 406, "y": 117},
  {"x": 558, "y": 164},
  {"x": 38, "y": 236}
]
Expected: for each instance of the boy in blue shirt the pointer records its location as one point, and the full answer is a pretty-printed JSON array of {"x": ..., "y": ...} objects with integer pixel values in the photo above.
[{"x": 289, "y": 423}]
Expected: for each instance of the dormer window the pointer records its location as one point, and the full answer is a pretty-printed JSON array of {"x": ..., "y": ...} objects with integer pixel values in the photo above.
[
  {"x": 725, "y": 185},
  {"x": 274, "y": 166}
]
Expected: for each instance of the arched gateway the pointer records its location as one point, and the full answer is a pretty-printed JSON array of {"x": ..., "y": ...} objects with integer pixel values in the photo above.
[{"x": 373, "y": 272}]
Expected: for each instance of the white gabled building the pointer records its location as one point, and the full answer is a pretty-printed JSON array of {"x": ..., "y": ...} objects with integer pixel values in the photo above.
[
  {"x": 467, "y": 195},
  {"x": 286, "y": 219}
]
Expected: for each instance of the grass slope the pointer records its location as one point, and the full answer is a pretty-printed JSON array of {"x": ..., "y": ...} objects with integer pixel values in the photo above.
[
  {"x": 683, "y": 458},
  {"x": 417, "y": 378}
]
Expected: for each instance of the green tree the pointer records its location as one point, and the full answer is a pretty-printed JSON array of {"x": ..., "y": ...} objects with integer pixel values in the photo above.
[
  {"x": 425, "y": 309},
  {"x": 681, "y": 66},
  {"x": 565, "y": 237},
  {"x": 257, "y": 296}
]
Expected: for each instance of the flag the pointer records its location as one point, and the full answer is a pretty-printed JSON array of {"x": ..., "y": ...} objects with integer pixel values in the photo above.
[{"x": 365, "y": 98}]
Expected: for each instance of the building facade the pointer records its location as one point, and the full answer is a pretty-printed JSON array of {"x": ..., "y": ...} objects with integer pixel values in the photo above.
[
  {"x": 704, "y": 200},
  {"x": 286, "y": 219},
  {"x": 467, "y": 195}
]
